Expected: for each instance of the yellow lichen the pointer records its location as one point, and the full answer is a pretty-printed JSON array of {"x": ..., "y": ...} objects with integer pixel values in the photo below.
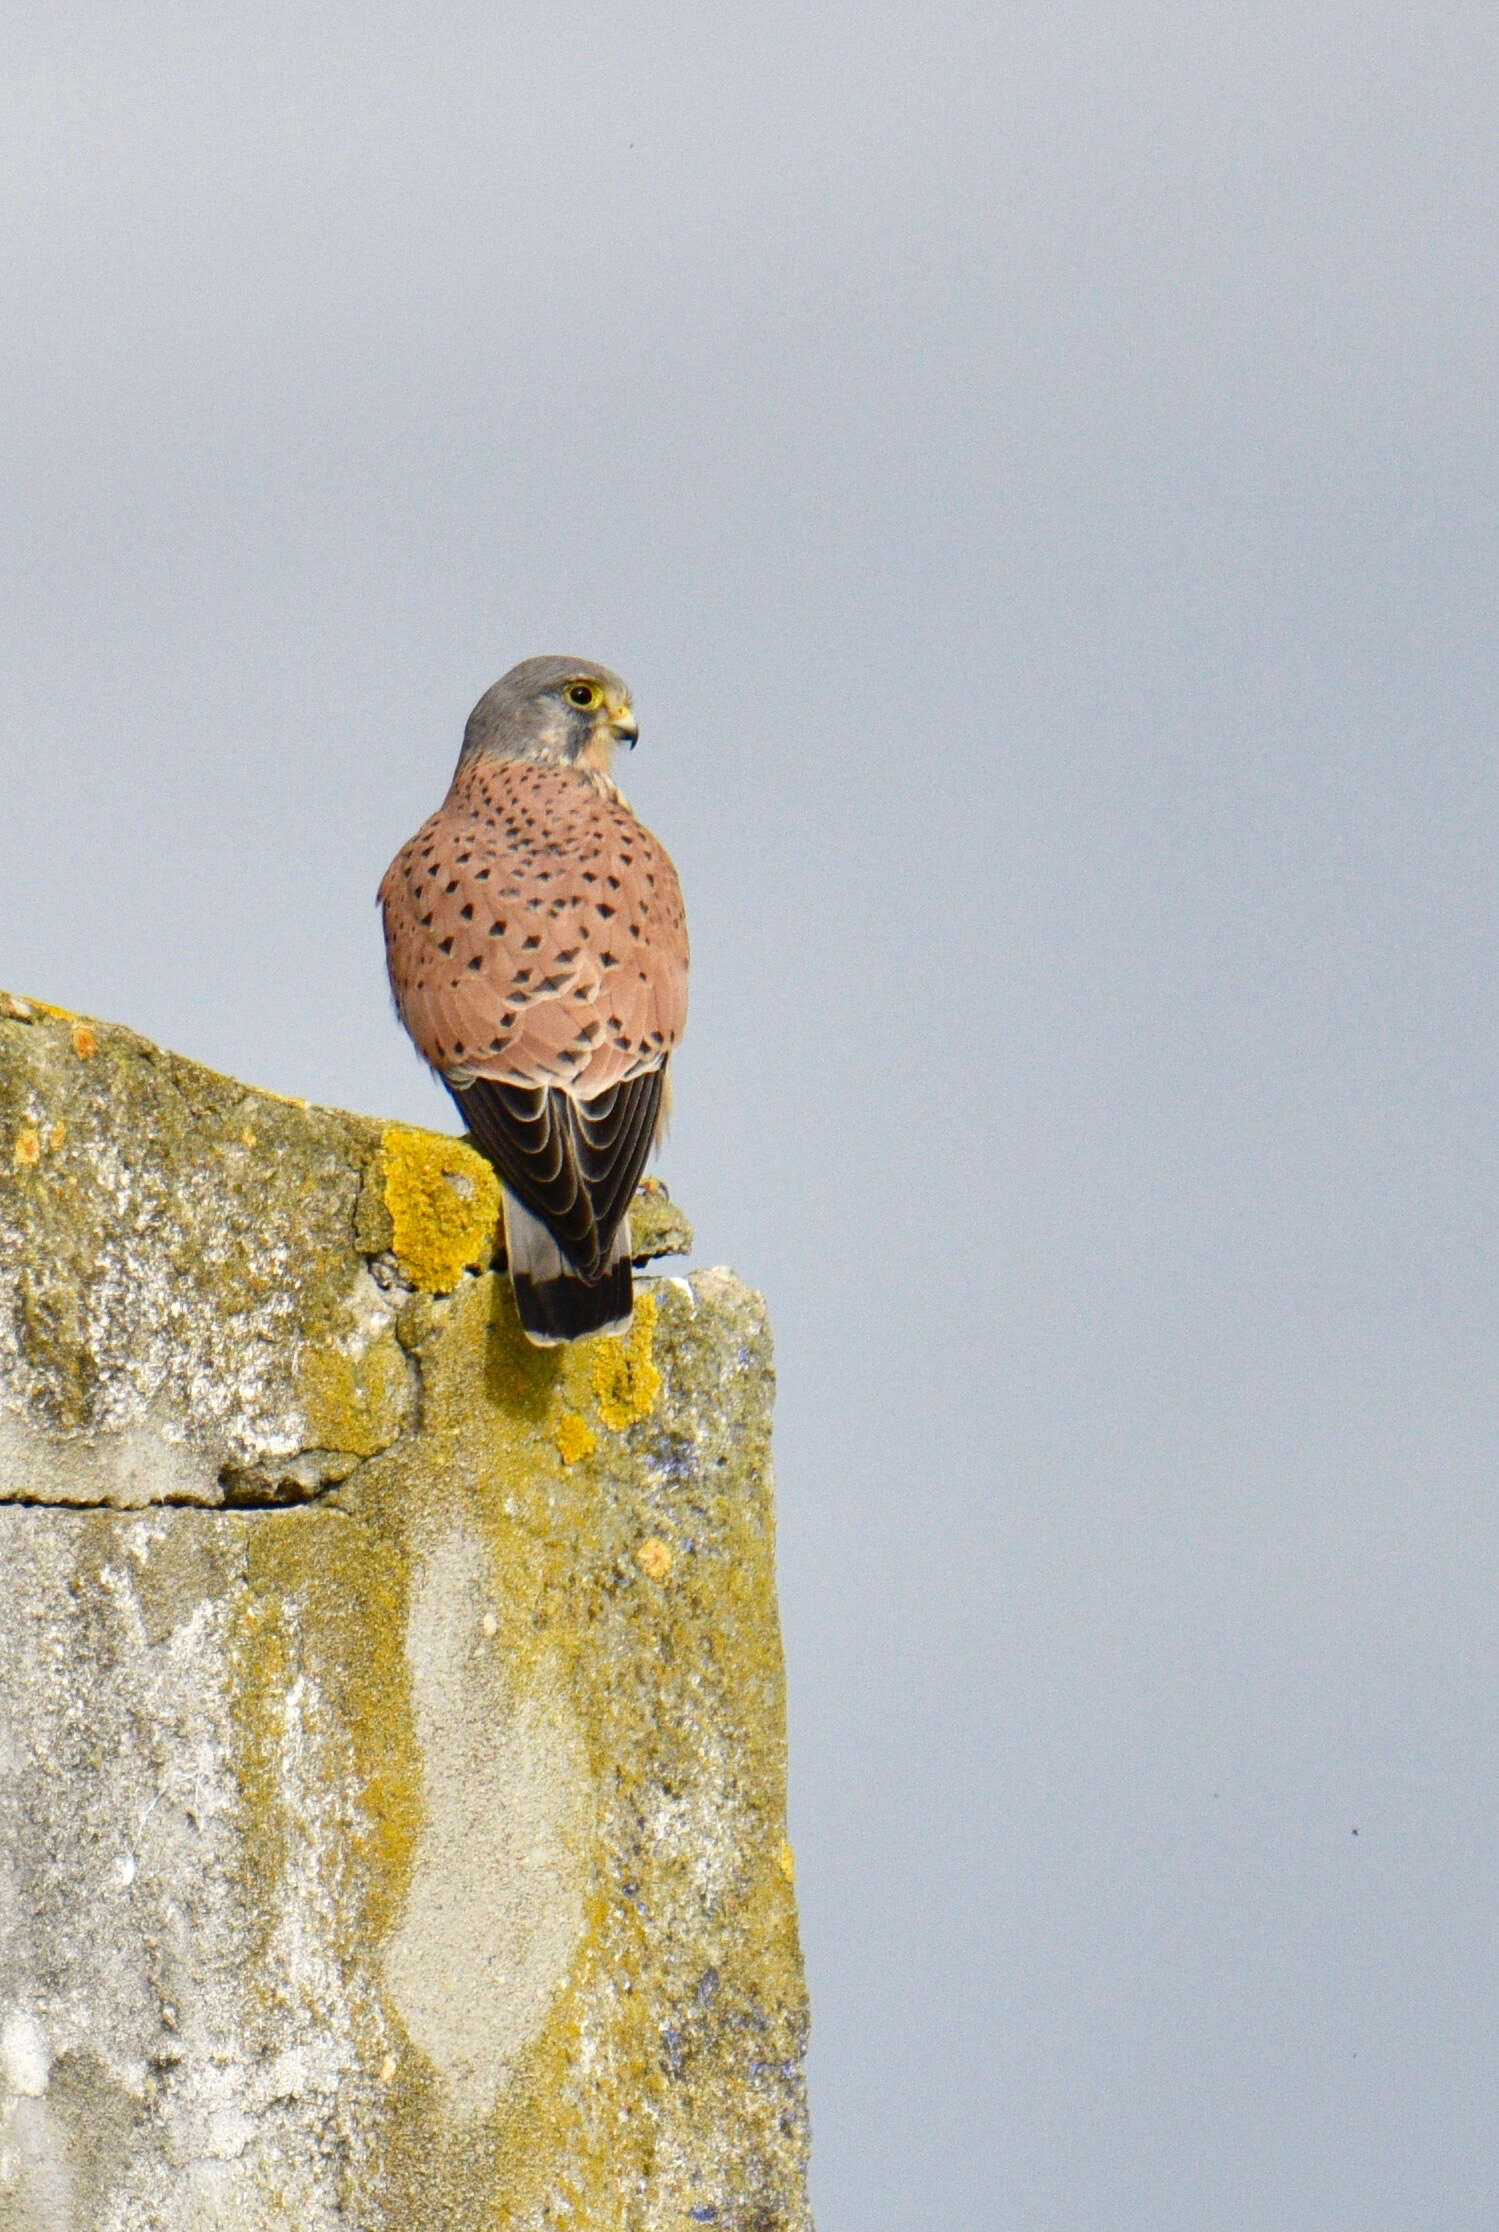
[
  {"x": 786, "y": 1861},
  {"x": 654, "y": 1557},
  {"x": 85, "y": 1042},
  {"x": 574, "y": 1438},
  {"x": 57, "y": 1137},
  {"x": 444, "y": 1201},
  {"x": 626, "y": 1383},
  {"x": 27, "y": 1151}
]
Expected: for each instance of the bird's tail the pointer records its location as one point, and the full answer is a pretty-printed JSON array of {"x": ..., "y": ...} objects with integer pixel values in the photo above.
[{"x": 556, "y": 1303}]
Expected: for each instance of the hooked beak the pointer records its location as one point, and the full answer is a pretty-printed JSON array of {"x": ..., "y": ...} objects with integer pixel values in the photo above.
[{"x": 625, "y": 727}]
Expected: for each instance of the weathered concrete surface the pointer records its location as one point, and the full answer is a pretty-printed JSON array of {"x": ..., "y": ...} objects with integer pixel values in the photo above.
[{"x": 391, "y": 1752}]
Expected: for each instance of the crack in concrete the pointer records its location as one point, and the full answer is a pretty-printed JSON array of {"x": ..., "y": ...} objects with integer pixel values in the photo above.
[{"x": 321, "y": 1500}]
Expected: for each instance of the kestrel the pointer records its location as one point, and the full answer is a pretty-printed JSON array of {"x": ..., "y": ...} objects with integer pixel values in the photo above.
[{"x": 537, "y": 951}]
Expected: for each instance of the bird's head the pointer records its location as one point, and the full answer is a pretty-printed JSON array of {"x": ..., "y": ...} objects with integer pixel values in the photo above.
[{"x": 572, "y": 710}]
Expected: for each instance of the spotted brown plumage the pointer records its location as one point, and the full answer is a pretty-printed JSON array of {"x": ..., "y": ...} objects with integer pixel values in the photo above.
[
  {"x": 539, "y": 931},
  {"x": 537, "y": 950}
]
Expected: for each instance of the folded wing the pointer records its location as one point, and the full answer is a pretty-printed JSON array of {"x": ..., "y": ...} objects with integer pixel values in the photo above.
[{"x": 574, "y": 1163}]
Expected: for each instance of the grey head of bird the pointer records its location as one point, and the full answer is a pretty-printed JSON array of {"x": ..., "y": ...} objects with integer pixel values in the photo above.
[{"x": 554, "y": 708}]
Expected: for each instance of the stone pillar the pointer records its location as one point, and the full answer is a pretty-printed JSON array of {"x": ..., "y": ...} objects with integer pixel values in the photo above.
[{"x": 391, "y": 1716}]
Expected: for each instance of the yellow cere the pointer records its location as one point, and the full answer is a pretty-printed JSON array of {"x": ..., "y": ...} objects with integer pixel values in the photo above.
[
  {"x": 444, "y": 1203},
  {"x": 626, "y": 1383}
]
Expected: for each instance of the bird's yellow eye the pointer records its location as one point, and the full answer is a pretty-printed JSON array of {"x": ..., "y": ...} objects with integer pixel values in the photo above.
[{"x": 584, "y": 694}]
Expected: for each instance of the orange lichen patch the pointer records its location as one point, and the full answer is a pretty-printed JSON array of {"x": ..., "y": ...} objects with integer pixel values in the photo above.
[
  {"x": 786, "y": 1861},
  {"x": 85, "y": 1042},
  {"x": 574, "y": 1438},
  {"x": 626, "y": 1384},
  {"x": 444, "y": 1202},
  {"x": 654, "y": 1557},
  {"x": 27, "y": 1151}
]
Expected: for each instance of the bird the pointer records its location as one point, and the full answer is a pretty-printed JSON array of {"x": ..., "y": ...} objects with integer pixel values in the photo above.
[{"x": 536, "y": 944}]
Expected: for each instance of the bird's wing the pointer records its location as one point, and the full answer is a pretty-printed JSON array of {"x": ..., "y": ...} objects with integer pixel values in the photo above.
[
  {"x": 535, "y": 933},
  {"x": 574, "y": 1163}
]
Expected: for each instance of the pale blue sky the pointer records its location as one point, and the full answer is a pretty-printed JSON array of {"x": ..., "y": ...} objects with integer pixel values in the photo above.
[{"x": 1037, "y": 469}]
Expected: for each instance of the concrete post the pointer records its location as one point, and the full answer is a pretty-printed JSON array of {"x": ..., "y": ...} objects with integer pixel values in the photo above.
[{"x": 391, "y": 1716}]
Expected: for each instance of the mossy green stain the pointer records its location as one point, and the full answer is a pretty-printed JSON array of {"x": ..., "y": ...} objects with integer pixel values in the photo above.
[
  {"x": 347, "y": 1641},
  {"x": 356, "y": 1403},
  {"x": 260, "y": 1664}
]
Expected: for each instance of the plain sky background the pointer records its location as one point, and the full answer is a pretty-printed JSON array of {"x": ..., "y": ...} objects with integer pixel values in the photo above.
[{"x": 1037, "y": 467}]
